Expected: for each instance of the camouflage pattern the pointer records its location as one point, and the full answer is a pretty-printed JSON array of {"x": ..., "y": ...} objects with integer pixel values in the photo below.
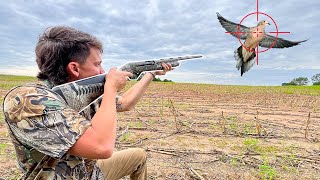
[
  {"x": 43, "y": 128},
  {"x": 74, "y": 92}
]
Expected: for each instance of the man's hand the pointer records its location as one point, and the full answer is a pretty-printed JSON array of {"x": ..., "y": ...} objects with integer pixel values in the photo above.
[
  {"x": 166, "y": 68},
  {"x": 117, "y": 79}
]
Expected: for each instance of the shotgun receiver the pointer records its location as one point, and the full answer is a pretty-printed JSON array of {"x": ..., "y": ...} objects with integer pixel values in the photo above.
[{"x": 85, "y": 95}]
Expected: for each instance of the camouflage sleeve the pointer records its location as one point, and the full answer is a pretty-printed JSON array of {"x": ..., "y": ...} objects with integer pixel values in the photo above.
[{"x": 40, "y": 119}]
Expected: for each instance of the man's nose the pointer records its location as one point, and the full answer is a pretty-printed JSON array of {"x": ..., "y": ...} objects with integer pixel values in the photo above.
[{"x": 102, "y": 71}]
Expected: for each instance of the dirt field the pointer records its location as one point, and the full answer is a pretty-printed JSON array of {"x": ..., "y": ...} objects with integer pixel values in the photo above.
[{"x": 193, "y": 131}]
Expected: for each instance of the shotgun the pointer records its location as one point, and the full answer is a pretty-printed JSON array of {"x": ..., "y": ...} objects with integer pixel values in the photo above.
[{"x": 85, "y": 95}]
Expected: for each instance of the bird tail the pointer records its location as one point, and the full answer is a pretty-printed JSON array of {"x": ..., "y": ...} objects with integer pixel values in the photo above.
[{"x": 243, "y": 64}]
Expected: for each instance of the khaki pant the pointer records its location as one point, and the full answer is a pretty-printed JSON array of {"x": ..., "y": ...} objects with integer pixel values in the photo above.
[{"x": 126, "y": 162}]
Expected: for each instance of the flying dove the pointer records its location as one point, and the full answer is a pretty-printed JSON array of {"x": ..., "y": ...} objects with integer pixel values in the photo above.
[{"x": 253, "y": 37}]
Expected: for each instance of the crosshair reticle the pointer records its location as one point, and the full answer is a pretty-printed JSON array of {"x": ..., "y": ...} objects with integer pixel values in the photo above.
[
  {"x": 257, "y": 32},
  {"x": 254, "y": 36}
]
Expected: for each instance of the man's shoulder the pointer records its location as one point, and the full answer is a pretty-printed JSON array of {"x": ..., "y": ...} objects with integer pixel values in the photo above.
[
  {"x": 28, "y": 88},
  {"x": 32, "y": 99}
]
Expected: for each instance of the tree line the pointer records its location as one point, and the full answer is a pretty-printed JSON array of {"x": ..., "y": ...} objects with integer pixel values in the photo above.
[
  {"x": 302, "y": 81},
  {"x": 159, "y": 80},
  {"x": 155, "y": 79}
]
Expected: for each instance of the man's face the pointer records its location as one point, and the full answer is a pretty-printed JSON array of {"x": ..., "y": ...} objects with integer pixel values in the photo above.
[{"x": 92, "y": 65}]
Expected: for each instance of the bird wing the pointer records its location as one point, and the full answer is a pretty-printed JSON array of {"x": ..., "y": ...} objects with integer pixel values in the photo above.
[
  {"x": 280, "y": 43},
  {"x": 233, "y": 27}
]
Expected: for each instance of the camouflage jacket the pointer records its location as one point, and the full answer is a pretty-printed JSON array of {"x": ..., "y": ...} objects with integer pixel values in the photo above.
[{"x": 43, "y": 128}]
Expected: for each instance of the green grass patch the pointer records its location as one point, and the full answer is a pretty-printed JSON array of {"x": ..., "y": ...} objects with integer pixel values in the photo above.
[
  {"x": 135, "y": 124},
  {"x": 16, "y": 78},
  {"x": 236, "y": 160},
  {"x": 3, "y": 147},
  {"x": 126, "y": 138},
  {"x": 249, "y": 128},
  {"x": 266, "y": 171},
  {"x": 236, "y": 89},
  {"x": 9, "y": 81},
  {"x": 251, "y": 144}
]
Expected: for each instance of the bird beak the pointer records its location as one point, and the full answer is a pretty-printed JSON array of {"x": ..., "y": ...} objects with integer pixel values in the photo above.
[{"x": 269, "y": 24}]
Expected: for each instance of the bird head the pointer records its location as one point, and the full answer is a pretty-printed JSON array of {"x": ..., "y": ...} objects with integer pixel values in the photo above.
[{"x": 263, "y": 23}]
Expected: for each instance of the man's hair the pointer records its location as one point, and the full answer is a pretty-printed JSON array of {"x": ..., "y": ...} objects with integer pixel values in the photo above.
[{"x": 57, "y": 47}]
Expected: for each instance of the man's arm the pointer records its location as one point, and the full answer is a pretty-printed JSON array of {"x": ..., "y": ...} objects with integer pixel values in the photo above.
[
  {"x": 130, "y": 98},
  {"x": 97, "y": 142}
]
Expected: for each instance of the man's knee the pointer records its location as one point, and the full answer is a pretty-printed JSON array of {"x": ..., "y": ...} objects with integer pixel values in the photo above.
[{"x": 140, "y": 154}]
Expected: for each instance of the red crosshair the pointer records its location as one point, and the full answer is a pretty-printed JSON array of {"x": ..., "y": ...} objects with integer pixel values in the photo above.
[{"x": 238, "y": 32}]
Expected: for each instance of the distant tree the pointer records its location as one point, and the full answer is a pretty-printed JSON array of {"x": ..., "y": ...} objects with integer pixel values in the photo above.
[
  {"x": 316, "y": 79},
  {"x": 300, "y": 81},
  {"x": 316, "y": 84},
  {"x": 167, "y": 80},
  {"x": 289, "y": 84},
  {"x": 157, "y": 79}
]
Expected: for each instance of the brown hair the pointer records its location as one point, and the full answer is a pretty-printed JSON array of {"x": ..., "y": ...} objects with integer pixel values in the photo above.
[{"x": 58, "y": 46}]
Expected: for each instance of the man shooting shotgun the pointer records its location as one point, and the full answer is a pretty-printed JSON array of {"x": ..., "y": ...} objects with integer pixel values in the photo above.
[
  {"x": 52, "y": 140},
  {"x": 82, "y": 93}
]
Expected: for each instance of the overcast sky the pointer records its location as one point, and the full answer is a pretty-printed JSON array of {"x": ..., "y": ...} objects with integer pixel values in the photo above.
[{"x": 151, "y": 29}]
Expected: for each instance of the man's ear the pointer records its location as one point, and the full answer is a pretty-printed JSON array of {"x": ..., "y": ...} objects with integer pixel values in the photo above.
[{"x": 73, "y": 70}]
